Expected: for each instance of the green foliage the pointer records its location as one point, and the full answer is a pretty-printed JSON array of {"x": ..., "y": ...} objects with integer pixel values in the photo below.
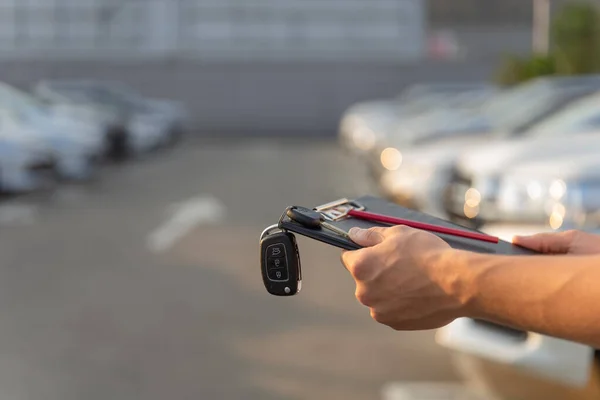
[
  {"x": 575, "y": 38},
  {"x": 516, "y": 70}
]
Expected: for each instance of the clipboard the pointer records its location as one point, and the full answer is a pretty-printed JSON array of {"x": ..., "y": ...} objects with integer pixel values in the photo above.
[{"x": 381, "y": 206}]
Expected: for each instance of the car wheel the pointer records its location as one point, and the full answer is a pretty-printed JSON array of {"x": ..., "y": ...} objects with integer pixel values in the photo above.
[
  {"x": 118, "y": 144},
  {"x": 175, "y": 135}
]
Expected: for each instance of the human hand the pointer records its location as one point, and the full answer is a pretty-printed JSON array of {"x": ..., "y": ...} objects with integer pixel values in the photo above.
[
  {"x": 569, "y": 242},
  {"x": 406, "y": 277}
]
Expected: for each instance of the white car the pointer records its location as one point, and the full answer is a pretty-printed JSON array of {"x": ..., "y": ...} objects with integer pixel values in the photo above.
[
  {"x": 144, "y": 124},
  {"x": 26, "y": 163},
  {"x": 364, "y": 125},
  {"x": 557, "y": 185},
  {"x": 509, "y": 113},
  {"x": 568, "y": 135},
  {"x": 421, "y": 174},
  {"x": 75, "y": 104},
  {"x": 76, "y": 144}
]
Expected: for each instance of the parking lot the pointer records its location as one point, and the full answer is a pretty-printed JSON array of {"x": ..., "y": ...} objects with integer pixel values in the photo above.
[{"x": 104, "y": 295}]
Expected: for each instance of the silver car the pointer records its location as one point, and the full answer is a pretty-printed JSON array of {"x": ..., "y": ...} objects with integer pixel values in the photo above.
[
  {"x": 565, "y": 140},
  {"x": 26, "y": 163},
  {"x": 76, "y": 142},
  {"x": 134, "y": 123},
  {"x": 364, "y": 125},
  {"x": 426, "y": 169}
]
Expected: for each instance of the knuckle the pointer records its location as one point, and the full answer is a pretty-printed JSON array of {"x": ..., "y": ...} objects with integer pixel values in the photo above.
[
  {"x": 361, "y": 272},
  {"x": 402, "y": 230},
  {"x": 359, "y": 266},
  {"x": 345, "y": 258},
  {"x": 377, "y": 316},
  {"x": 363, "y": 296}
]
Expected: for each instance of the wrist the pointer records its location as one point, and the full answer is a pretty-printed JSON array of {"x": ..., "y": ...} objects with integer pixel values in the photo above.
[{"x": 456, "y": 272}]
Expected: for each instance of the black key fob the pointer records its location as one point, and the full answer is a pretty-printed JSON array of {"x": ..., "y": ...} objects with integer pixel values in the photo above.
[{"x": 280, "y": 263}]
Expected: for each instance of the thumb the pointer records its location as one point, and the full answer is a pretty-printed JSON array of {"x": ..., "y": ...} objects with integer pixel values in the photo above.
[
  {"x": 366, "y": 237},
  {"x": 548, "y": 243}
]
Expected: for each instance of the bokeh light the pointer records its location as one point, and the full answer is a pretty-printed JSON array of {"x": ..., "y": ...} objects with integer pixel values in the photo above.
[{"x": 391, "y": 159}]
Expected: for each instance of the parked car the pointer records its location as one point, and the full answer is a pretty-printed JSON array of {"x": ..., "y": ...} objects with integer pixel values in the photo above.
[
  {"x": 76, "y": 143},
  {"x": 364, "y": 124},
  {"x": 74, "y": 101},
  {"x": 503, "y": 363},
  {"x": 26, "y": 163},
  {"x": 562, "y": 140},
  {"x": 424, "y": 171},
  {"x": 555, "y": 189},
  {"x": 134, "y": 124},
  {"x": 173, "y": 116},
  {"x": 426, "y": 128}
]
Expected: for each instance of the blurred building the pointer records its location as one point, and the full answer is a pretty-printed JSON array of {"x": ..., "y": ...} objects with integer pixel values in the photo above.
[
  {"x": 213, "y": 29},
  {"x": 281, "y": 66}
]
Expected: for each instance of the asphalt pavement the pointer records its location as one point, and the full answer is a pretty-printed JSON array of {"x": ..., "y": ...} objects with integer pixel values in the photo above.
[{"x": 145, "y": 284}]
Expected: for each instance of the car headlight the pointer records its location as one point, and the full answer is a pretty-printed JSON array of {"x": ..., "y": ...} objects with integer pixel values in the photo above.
[
  {"x": 358, "y": 132},
  {"x": 391, "y": 158},
  {"x": 557, "y": 201},
  {"x": 526, "y": 190},
  {"x": 349, "y": 123},
  {"x": 363, "y": 138}
]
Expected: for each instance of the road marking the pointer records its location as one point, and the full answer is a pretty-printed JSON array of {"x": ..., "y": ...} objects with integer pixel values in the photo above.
[
  {"x": 427, "y": 391},
  {"x": 184, "y": 217},
  {"x": 17, "y": 214}
]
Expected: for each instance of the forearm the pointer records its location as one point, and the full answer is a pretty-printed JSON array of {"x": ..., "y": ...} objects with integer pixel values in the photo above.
[{"x": 554, "y": 295}]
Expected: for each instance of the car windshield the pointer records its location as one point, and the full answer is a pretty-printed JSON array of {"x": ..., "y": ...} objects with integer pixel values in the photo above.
[
  {"x": 468, "y": 99},
  {"x": 515, "y": 108},
  {"x": 94, "y": 92},
  {"x": 118, "y": 96},
  {"x": 580, "y": 116},
  {"x": 20, "y": 102},
  {"x": 77, "y": 92}
]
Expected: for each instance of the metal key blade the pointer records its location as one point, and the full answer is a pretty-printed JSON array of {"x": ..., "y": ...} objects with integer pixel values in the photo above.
[{"x": 333, "y": 228}]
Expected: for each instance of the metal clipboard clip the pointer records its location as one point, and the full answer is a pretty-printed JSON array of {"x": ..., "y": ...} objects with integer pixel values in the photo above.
[{"x": 339, "y": 209}]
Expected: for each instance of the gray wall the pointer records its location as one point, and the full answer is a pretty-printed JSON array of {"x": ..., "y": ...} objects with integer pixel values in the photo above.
[{"x": 283, "y": 99}]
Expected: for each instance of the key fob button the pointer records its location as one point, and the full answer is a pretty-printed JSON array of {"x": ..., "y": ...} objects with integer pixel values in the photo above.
[
  {"x": 276, "y": 263},
  {"x": 276, "y": 250},
  {"x": 278, "y": 274}
]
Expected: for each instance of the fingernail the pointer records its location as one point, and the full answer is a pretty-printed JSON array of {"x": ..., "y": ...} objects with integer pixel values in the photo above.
[{"x": 355, "y": 232}]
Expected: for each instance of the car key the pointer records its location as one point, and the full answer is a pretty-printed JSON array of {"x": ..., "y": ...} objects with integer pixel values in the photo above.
[
  {"x": 280, "y": 263},
  {"x": 313, "y": 219}
]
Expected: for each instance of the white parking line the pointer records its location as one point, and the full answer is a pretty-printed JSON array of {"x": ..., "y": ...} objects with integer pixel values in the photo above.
[{"x": 184, "y": 217}]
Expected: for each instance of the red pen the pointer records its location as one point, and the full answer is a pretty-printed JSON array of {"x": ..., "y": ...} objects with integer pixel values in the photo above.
[{"x": 420, "y": 225}]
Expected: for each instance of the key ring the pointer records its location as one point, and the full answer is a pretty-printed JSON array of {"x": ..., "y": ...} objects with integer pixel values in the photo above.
[{"x": 269, "y": 230}]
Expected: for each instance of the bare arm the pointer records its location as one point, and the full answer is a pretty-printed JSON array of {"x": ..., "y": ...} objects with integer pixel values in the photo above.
[
  {"x": 412, "y": 280},
  {"x": 554, "y": 295}
]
